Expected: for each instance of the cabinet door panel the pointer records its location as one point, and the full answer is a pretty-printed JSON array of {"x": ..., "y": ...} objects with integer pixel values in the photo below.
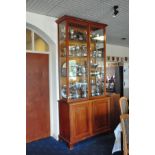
[
  {"x": 115, "y": 110},
  {"x": 80, "y": 120},
  {"x": 101, "y": 115}
]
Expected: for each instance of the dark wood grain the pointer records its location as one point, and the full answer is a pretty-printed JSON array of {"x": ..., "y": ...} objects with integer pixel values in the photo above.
[
  {"x": 101, "y": 115},
  {"x": 37, "y": 97},
  {"x": 64, "y": 121},
  {"x": 115, "y": 111},
  {"x": 80, "y": 117}
]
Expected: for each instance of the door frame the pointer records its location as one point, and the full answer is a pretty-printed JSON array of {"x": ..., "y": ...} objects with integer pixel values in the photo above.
[{"x": 53, "y": 79}]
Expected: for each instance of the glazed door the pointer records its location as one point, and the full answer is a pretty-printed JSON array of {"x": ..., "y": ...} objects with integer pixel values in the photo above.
[{"x": 37, "y": 97}]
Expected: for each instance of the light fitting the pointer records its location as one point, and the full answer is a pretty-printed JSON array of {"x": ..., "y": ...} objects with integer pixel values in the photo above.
[
  {"x": 123, "y": 38},
  {"x": 115, "y": 9},
  {"x": 100, "y": 38}
]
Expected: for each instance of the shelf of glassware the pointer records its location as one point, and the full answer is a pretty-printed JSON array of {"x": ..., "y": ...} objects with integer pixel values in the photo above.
[
  {"x": 77, "y": 77},
  {"x": 97, "y": 73}
]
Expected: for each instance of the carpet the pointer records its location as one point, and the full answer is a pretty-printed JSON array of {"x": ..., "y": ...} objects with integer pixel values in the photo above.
[{"x": 98, "y": 145}]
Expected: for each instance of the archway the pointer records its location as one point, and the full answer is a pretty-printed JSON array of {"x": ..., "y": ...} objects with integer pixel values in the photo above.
[{"x": 53, "y": 75}]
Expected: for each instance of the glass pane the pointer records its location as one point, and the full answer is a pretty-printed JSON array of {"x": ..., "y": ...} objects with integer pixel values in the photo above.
[
  {"x": 78, "y": 67},
  {"x": 97, "y": 61},
  {"x": 28, "y": 40},
  {"x": 40, "y": 44},
  {"x": 62, "y": 60}
]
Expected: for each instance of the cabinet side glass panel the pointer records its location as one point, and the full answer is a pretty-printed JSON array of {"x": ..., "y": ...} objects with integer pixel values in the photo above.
[
  {"x": 78, "y": 58},
  {"x": 62, "y": 60},
  {"x": 96, "y": 61}
]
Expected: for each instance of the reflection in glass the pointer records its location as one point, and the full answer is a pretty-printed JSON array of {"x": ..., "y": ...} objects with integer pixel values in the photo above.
[
  {"x": 78, "y": 69},
  {"x": 97, "y": 62},
  {"x": 62, "y": 31},
  {"x": 77, "y": 32},
  {"x": 63, "y": 65}
]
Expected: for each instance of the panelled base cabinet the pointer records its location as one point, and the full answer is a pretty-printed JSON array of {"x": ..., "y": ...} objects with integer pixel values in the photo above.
[{"x": 80, "y": 120}]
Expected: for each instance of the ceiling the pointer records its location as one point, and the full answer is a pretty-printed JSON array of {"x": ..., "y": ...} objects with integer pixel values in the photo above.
[{"x": 94, "y": 10}]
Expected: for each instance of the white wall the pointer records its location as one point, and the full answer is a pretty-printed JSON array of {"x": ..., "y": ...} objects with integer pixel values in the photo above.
[
  {"x": 115, "y": 50},
  {"x": 45, "y": 23},
  {"x": 49, "y": 27}
]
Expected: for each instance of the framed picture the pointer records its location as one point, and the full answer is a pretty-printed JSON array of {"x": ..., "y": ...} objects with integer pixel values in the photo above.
[
  {"x": 113, "y": 58},
  {"x": 117, "y": 59},
  {"x": 122, "y": 59},
  {"x": 63, "y": 72},
  {"x": 126, "y": 59},
  {"x": 108, "y": 58}
]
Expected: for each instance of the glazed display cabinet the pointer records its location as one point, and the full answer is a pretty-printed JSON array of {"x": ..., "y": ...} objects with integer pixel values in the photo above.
[{"x": 84, "y": 106}]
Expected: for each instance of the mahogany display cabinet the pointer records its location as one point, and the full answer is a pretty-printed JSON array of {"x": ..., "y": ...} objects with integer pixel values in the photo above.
[{"x": 84, "y": 106}]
